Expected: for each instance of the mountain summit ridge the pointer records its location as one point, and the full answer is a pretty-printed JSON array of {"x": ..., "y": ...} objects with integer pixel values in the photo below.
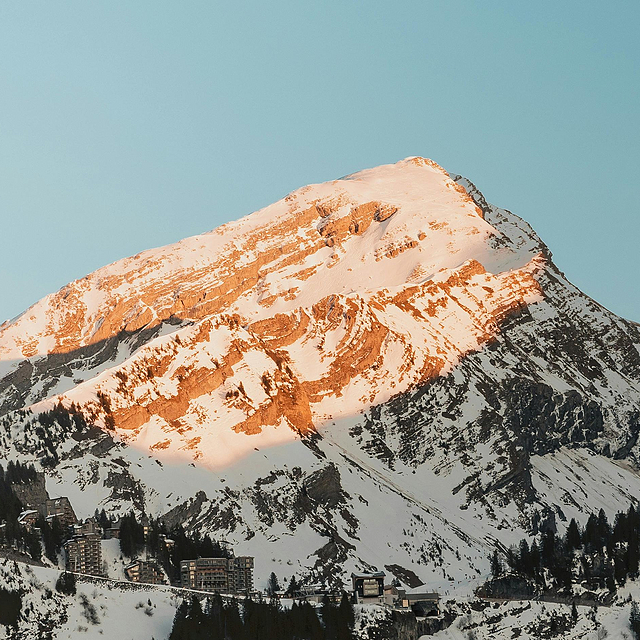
[{"x": 315, "y": 208}]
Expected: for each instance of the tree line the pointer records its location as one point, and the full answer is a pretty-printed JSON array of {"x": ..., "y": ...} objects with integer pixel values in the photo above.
[
  {"x": 18, "y": 473},
  {"x": 262, "y": 620},
  {"x": 602, "y": 554}
]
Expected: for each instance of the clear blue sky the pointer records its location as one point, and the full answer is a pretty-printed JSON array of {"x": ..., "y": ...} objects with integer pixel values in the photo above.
[{"x": 127, "y": 125}]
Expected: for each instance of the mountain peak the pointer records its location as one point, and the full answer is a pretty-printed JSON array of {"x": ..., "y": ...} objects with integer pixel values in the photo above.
[
  {"x": 377, "y": 229},
  {"x": 281, "y": 316}
]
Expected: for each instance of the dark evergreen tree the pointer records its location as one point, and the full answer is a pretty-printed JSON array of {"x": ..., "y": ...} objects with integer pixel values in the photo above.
[
  {"x": 496, "y": 565},
  {"x": 525, "y": 564},
  {"x": 604, "y": 529},
  {"x": 234, "y": 628},
  {"x": 131, "y": 535},
  {"x": 535, "y": 558},
  {"x": 179, "y": 630},
  {"x": 251, "y": 618},
  {"x": 273, "y": 586},
  {"x": 590, "y": 534},
  {"x": 548, "y": 547},
  {"x": 620, "y": 568},
  {"x": 310, "y": 623},
  {"x": 293, "y": 587},
  {"x": 346, "y": 618},
  {"x": 330, "y": 620},
  {"x": 103, "y": 519},
  {"x": 32, "y": 543},
  {"x": 633, "y": 552},
  {"x": 66, "y": 583},
  {"x": 196, "y": 621},
  {"x": 572, "y": 539},
  {"x": 52, "y": 537},
  {"x": 10, "y": 607}
]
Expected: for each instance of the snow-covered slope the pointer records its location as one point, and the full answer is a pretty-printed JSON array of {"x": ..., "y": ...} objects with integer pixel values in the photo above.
[
  {"x": 383, "y": 370},
  {"x": 99, "y": 609}
]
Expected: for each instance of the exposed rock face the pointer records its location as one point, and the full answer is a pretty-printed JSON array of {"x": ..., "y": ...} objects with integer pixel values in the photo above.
[
  {"x": 324, "y": 487},
  {"x": 509, "y": 587},
  {"x": 33, "y": 495},
  {"x": 385, "y": 368}
]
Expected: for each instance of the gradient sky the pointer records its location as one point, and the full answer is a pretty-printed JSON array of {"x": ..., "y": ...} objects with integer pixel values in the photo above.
[{"x": 128, "y": 125}]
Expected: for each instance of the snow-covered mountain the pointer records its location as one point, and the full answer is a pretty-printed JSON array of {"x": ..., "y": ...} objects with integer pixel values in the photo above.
[{"x": 383, "y": 370}]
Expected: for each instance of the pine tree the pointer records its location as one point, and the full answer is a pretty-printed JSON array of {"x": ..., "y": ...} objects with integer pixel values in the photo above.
[
  {"x": 311, "y": 624},
  {"x": 10, "y": 606},
  {"x": 548, "y": 548},
  {"x": 604, "y": 530},
  {"x": 574, "y": 612},
  {"x": 496, "y": 565},
  {"x": 196, "y": 622},
  {"x": 273, "y": 586},
  {"x": 233, "y": 621},
  {"x": 131, "y": 535},
  {"x": 251, "y": 619},
  {"x": 590, "y": 534},
  {"x": 292, "y": 589},
  {"x": 620, "y": 568},
  {"x": 633, "y": 552},
  {"x": 524, "y": 558},
  {"x": 346, "y": 618},
  {"x": 103, "y": 519},
  {"x": 572, "y": 540},
  {"x": 179, "y": 630},
  {"x": 328, "y": 612}
]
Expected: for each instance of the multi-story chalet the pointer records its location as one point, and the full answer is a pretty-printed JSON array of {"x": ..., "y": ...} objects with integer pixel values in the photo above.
[
  {"x": 145, "y": 571},
  {"x": 222, "y": 575},
  {"x": 61, "y": 509}
]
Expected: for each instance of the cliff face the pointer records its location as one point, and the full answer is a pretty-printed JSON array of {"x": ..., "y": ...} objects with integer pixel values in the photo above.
[{"x": 384, "y": 353}]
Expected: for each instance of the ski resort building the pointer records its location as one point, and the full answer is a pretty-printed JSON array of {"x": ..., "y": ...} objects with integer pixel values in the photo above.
[
  {"x": 84, "y": 554},
  {"x": 368, "y": 588},
  {"x": 145, "y": 571},
  {"x": 221, "y": 575}
]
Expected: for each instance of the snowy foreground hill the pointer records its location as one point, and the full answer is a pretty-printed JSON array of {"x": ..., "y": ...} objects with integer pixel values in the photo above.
[{"x": 380, "y": 371}]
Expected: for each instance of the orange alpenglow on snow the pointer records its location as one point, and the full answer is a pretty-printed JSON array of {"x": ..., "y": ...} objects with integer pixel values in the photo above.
[{"x": 337, "y": 297}]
